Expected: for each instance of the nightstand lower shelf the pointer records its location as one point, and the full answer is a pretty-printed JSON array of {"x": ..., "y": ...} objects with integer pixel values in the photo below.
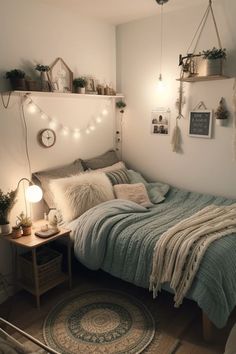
[{"x": 43, "y": 289}]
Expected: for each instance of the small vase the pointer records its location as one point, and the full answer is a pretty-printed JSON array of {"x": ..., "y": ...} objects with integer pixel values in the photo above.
[
  {"x": 5, "y": 229},
  {"x": 221, "y": 122},
  {"x": 18, "y": 84},
  {"x": 45, "y": 85}
]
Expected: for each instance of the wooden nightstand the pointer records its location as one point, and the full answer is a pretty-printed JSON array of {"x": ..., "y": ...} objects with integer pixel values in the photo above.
[{"x": 32, "y": 243}]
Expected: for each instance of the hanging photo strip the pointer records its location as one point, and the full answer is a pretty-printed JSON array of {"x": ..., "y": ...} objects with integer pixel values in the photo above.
[{"x": 160, "y": 121}]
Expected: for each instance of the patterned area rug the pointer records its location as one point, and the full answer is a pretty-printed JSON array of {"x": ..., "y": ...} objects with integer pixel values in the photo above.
[{"x": 99, "y": 321}]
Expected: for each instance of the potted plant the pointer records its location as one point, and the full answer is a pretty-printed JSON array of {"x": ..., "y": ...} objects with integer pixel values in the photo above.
[
  {"x": 221, "y": 113},
  {"x": 25, "y": 223},
  {"x": 17, "y": 79},
  {"x": 214, "y": 58},
  {"x": 46, "y": 85},
  {"x": 79, "y": 84},
  {"x": 7, "y": 201}
]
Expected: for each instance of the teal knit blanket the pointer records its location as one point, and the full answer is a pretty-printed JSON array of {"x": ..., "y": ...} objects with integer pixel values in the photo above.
[{"x": 119, "y": 237}]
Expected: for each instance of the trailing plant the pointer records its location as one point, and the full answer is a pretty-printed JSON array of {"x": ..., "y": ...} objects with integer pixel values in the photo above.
[
  {"x": 24, "y": 221},
  {"x": 80, "y": 82},
  {"x": 15, "y": 74},
  {"x": 121, "y": 105},
  {"x": 7, "y": 201},
  {"x": 222, "y": 112},
  {"x": 40, "y": 68},
  {"x": 214, "y": 53}
]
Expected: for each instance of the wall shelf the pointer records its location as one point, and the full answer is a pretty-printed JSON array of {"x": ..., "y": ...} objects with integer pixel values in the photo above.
[
  {"x": 62, "y": 94},
  {"x": 204, "y": 78}
]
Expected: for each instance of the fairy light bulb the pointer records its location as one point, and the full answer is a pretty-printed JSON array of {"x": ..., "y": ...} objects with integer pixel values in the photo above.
[
  {"x": 76, "y": 134},
  {"x": 32, "y": 108},
  {"x": 87, "y": 131},
  {"x": 53, "y": 124},
  {"x": 105, "y": 112},
  {"x": 65, "y": 131},
  {"x": 98, "y": 119},
  {"x": 92, "y": 127},
  {"x": 43, "y": 116}
]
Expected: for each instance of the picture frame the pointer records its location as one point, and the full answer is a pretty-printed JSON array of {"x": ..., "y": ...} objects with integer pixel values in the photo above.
[
  {"x": 61, "y": 76},
  {"x": 160, "y": 121},
  {"x": 200, "y": 124},
  {"x": 90, "y": 86}
]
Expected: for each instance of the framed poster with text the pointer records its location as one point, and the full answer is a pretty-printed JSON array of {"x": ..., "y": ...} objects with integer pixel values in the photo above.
[{"x": 200, "y": 123}]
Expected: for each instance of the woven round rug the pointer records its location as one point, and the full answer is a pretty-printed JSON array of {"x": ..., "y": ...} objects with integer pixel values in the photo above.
[{"x": 99, "y": 321}]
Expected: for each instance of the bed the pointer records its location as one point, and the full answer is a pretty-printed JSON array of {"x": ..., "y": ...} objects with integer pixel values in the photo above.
[{"x": 119, "y": 236}]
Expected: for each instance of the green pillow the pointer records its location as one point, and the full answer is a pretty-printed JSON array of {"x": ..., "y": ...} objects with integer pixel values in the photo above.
[{"x": 156, "y": 190}]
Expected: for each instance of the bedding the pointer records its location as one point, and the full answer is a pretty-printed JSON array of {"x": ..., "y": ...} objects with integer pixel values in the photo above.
[
  {"x": 119, "y": 237},
  {"x": 135, "y": 192}
]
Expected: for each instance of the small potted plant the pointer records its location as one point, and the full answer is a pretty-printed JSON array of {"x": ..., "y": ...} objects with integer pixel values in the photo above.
[
  {"x": 121, "y": 105},
  {"x": 7, "y": 201},
  {"x": 221, "y": 113},
  {"x": 17, "y": 79},
  {"x": 46, "y": 85},
  {"x": 214, "y": 58},
  {"x": 25, "y": 223},
  {"x": 80, "y": 84}
]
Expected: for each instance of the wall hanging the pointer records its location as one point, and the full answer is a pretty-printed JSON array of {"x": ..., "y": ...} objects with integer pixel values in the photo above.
[
  {"x": 160, "y": 120},
  {"x": 222, "y": 113}
]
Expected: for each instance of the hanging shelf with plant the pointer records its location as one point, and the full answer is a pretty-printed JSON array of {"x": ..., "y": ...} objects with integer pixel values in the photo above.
[{"x": 207, "y": 64}]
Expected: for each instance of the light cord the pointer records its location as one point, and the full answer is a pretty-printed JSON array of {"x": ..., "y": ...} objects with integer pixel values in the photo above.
[
  {"x": 6, "y": 105},
  {"x": 161, "y": 44}
]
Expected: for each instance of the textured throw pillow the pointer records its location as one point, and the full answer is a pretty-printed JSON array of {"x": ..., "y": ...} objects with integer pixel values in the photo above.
[
  {"x": 156, "y": 190},
  {"x": 117, "y": 166},
  {"x": 74, "y": 195},
  {"x": 135, "y": 192},
  {"x": 118, "y": 176},
  {"x": 107, "y": 159},
  {"x": 45, "y": 177}
]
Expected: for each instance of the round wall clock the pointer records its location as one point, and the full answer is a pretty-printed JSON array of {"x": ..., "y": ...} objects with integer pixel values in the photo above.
[{"x": 47, "y": 138}]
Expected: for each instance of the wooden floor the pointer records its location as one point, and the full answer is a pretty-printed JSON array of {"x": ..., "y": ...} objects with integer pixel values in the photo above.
[{"x": 183, "y": 323}]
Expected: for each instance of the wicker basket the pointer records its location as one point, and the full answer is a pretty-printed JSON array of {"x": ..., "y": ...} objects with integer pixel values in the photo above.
[{"x": 48, "y": 265}]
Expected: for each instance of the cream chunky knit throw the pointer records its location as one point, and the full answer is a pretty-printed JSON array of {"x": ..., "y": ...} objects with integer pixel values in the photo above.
[{"x": 179, "y": 251}]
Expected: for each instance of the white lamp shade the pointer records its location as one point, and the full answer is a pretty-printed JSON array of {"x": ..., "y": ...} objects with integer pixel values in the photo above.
[{"x": 34, "y": 193}]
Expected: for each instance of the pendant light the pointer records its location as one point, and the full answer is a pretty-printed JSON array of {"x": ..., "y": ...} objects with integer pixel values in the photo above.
[{"x": 160, "y": 78}]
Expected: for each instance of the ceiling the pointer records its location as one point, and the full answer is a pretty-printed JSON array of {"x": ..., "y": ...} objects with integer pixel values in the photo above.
[{"x": 121, "y": 11}]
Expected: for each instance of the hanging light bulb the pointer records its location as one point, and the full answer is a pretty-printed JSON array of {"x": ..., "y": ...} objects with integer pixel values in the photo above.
[
  {"x": 161, "y": 84},
  {"x": 92, "y": 126},
  {"x": 65, "y": 131},
  {"x": 87, "y": 131}
]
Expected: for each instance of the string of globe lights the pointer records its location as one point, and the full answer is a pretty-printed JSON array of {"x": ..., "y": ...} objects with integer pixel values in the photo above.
[{"x": 53, "y": 123}]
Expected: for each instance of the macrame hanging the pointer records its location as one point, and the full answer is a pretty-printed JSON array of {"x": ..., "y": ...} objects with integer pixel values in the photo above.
[
  {"x": 234, "y": 123},
  {"x": 176, "y": 136}
]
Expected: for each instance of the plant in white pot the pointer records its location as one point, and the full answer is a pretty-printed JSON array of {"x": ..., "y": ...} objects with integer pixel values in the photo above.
[
  {"x": 221, "y": 113},
  {"x": 80, "y": 84},
  {"x": 214, "y": 60},
  {"x": 7, "y": 201}
]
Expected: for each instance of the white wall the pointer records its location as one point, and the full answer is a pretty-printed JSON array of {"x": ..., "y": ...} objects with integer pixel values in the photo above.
[
  {"x": 205, "y": 165},
  {"x": 34, "y": 32}
]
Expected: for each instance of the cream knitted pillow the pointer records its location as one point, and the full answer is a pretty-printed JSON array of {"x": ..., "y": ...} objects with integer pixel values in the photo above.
[
  {"x": 74, "y": 195},
  {"x": 135, "y": 192}
]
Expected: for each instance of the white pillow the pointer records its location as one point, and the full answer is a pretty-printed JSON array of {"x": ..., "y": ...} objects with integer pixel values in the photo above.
[
  {"x": 74, "y": 195},
  {"x": 135, "y": 192}
]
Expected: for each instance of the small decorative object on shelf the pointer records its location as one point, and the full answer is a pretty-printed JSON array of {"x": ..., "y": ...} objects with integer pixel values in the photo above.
[
  {"x": 17, "y": 79},
  {"x": 80, "y": 84},
  {"x": 25, "y": 222},
  {"x": 90, "y": 86},
  {"x": 7, "y": 201},
  {"x": 221, "y": 113},
  {"x": 44, "y": 77},
  {"x": 61, "y": 76}
]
